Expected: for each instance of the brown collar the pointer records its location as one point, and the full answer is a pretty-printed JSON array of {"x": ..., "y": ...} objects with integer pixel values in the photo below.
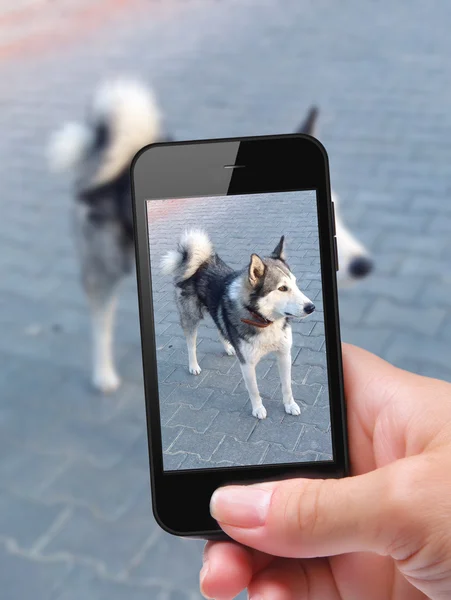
[{"x": 257, "y": 321}]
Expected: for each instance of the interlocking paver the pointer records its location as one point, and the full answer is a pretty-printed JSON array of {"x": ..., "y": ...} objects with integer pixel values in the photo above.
[{"x": 85, "y": 536}]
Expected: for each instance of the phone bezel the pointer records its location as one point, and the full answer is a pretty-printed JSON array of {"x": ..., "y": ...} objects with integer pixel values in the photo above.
[{"x": 276, "y": 163}]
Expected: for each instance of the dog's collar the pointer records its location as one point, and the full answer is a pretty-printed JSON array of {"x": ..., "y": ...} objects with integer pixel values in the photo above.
[{"x": 258, "y": 320}]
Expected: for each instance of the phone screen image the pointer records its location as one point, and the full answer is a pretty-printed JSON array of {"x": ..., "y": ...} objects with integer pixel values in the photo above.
[{"x": 239, "y": 330}]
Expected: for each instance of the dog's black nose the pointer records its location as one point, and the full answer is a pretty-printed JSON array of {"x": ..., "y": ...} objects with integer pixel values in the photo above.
[
  {"x": 309, "y": 308},
  {"x": 361, "y": 266}
]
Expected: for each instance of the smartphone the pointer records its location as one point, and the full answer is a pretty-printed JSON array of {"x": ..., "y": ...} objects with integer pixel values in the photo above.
[{"x": 236, "y": 263}]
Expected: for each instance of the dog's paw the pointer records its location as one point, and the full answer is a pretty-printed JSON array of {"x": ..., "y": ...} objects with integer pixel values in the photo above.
[
  {"x": 230, "y": 350},
  {"x": 292, "y": 408},
  {"x": 259, "y": 412},
  {"x": 106, "y": 381},
  {"x": 195, "y": 369}
]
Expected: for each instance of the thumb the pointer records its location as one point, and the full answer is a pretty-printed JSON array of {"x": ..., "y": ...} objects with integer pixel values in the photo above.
[{"x": 305, "y": 518}]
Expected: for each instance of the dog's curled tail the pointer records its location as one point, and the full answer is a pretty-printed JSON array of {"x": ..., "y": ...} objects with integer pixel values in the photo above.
[
  {"x": 194, "y": 248},
  {"x": 123, "y": 118}
]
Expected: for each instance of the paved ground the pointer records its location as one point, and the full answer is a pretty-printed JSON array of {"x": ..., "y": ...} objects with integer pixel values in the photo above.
[
  {"x": 75, "y": 519},
  {"x": 207, "y": 420}
]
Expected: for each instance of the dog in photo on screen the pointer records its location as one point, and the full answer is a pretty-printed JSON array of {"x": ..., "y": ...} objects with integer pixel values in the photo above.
[{"x": 251, "y": 308}]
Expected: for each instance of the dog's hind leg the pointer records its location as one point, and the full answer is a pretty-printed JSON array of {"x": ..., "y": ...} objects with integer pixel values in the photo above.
[
  {"x": 104, "y": 263},
  {"x": 191, "y": 341},
  {"x": 190, "y": 311},
  {"x": 230, "y": 350},
  {"x": 102, "y": 300}
]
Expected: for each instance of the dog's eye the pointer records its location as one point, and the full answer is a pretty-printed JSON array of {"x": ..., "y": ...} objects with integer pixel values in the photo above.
[{"x": 283, "y": 288}]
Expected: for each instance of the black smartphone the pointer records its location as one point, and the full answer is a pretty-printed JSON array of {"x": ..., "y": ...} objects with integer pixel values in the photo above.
[{"x": 236, "y": 263}]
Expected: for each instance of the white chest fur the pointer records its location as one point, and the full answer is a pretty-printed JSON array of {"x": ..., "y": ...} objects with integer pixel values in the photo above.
[{"x": 274, "y": 338}]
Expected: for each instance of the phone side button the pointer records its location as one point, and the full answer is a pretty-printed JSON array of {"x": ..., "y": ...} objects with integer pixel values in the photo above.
[
  {"x": 337, "y": 267},
  {"x": 333, "y": 218}
]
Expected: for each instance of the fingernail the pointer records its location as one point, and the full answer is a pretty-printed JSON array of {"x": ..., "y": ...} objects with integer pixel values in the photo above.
[
  {"x": 202, "y": 575},
  {"x": 240, "y": 506}
]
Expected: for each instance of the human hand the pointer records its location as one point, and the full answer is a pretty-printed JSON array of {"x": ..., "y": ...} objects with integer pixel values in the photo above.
[{"x": 384, "y": 532}]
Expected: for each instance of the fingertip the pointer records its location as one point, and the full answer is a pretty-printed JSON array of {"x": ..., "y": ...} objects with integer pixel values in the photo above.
[{"x": 226, "y": 572}]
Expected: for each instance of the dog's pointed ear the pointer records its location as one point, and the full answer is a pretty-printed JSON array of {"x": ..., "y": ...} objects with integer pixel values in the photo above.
[
  {"x": 310, "y": 123},
  {"x": 256, "y": 270},
  {"x": 279, "y": 250}
]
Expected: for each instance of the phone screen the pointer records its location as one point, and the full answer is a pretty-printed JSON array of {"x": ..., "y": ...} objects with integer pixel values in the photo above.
[{"x": 239, "y": 328}]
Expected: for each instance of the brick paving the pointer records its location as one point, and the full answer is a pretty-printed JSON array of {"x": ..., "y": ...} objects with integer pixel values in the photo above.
[
  {"x": 74, "y": 502},
  {"x": 222, "y": 431}
]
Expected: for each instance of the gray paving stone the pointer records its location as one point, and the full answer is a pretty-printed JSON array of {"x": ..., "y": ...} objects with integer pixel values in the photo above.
[
  {"x": 23, "y": 578},
  {"x": 166, "y": 389},
  {"x": 352, "y": 313},
  {"x": 85, "y": 583},
  {"x": 169, "y": 435},
  {"x": 308, "y": 341},
  {"x": 195, "y": 398},
  {"x": 24, "y": 471},
  {"x": 315, "y": 440},
  {"x": 192, "y": 461},
  {"x": 316, "y": 415},
  {"x": 179, "y": 356},
  {"x": 25, "y": 520},
  {"x": 84, "y": 535},
  {"x": 231, "y": 403},
  {"x": 267, "y": 387},
  {"x": 173, "y": 462},
  {"x": 425, "y": 267},
  {"x": 275, "y": 429},
  {"x": 308, "y": 393},
  {"x": 184, "y": 553},
  {"x": 406, "y": 347},
  {"x": 235, "y": 424},
  {"x": 400, "y": 317},
  {"x": 315, "y": 375},
  {"x": 182, "y": 375},
  {"x": 103, "y": 445},
  {"x": 276, "y": 454},
  {"x": 107, "y": 492},
  {"x": 198, "y": 419},
  {"x": 227, "y": 383},
  {"x": 214, "y": 362},
  {"x": 239, "y": 453},
  {"x": 311, "y": 358},
  {"x": 166, "y": 373},
  {"x": 191, "y": 442},
  {"x": 372, "y": 339}
]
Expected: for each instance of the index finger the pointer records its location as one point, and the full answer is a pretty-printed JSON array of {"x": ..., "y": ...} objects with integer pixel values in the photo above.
[{"x": 229, "y": 568}]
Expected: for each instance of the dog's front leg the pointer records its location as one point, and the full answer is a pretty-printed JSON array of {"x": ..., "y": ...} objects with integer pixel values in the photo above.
[
  {"x": 250, "y": 379},
  {"x": 284, "y": 365}
]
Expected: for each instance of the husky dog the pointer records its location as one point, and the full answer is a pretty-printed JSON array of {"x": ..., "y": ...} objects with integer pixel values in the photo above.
[
  {"x": 353, "y": 259},
  {"x": 123, "y": 117},
  {"x": 251, "y": 308}
]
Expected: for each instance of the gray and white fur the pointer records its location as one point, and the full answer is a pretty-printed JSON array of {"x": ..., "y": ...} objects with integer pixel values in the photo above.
[
  {"x": 251, "y": 308},
  {"x": 122, "y": 118}
]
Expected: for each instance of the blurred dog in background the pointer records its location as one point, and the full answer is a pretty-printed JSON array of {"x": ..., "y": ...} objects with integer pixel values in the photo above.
[{"x": 123, "y": 118}]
